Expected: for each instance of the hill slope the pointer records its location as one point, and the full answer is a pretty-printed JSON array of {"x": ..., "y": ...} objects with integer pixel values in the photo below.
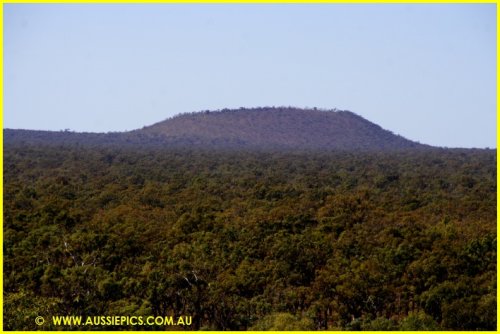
[
  {"x": 258, "y": 128},
  {"x": 279, "y": 128}
]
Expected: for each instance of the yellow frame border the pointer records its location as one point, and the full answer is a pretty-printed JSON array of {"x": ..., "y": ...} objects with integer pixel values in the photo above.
[{"x": 284, "y": 2}]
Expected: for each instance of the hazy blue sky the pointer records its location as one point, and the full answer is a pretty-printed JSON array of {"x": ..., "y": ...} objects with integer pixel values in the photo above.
[{"x": 427, "y": 72}]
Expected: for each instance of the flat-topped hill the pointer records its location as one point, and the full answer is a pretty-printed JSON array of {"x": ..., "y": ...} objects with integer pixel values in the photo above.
[
  {"x": 257, "y": 128},
  {"x": 278, "y": 127}
]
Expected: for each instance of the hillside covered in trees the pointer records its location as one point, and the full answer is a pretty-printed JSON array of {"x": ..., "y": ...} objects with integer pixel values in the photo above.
[
  {"x": 380, "y": 239},
  {"x": 258, "y": 128},
  {"x": 283, "y": 127}
]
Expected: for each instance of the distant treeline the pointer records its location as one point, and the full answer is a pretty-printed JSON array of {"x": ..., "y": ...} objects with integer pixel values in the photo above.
[{"x": 258, "y": 109}]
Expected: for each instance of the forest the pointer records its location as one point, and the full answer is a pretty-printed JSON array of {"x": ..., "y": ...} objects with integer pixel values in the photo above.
[{"x": 251, "y": 240}]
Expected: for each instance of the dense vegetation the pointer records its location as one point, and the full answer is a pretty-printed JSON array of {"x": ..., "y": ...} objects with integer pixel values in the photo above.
[{"x": 251, "y": 240}]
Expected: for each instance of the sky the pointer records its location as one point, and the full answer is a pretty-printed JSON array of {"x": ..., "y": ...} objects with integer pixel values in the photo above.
[{"x": 423, "y": 71}]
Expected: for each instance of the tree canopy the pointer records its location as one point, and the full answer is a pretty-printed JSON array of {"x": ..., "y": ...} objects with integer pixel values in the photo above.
[{"x": 251, "y": 240}]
